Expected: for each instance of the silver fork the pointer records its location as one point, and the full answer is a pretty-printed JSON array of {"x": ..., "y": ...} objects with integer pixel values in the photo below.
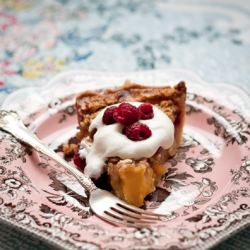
[{"x": 105, "y": 205}]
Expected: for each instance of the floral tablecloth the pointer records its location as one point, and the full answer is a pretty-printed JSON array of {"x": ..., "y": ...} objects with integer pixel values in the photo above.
[{"x": 38, "y": 39}]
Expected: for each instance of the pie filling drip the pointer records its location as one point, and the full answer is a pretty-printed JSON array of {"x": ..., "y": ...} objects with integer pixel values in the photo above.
[{"x": 109, "y": 141}]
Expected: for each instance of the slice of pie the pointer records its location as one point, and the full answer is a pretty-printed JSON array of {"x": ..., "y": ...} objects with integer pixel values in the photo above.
[{"x": 113, "y": 155}]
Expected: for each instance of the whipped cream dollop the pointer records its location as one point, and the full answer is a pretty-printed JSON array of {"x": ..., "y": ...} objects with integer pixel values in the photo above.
[{"x": 110, "y": 142}]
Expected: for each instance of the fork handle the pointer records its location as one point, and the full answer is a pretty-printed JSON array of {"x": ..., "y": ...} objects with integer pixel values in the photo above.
[{"x": 12, "y": 123}]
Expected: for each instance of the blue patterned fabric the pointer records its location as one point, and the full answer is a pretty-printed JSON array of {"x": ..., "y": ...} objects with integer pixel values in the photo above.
[{"x": 38, "y": 39}]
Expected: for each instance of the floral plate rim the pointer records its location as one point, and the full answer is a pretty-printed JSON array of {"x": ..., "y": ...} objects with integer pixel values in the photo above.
[{"x": 59, "y": 78}]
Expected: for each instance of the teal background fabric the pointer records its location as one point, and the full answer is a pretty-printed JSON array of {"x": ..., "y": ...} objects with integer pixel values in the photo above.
[
  {"x": 38, "y": 39},
  {"x": 14, "y": 238}
]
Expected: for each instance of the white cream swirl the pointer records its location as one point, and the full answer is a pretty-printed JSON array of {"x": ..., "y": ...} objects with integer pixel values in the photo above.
[{"x": 110, "y": 142}]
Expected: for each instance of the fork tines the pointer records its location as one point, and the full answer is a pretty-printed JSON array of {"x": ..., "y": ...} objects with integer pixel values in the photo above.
[{"x": 131, "y": 216}]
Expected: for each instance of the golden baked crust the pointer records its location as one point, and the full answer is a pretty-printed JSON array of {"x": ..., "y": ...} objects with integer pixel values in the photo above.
[
  {"x": 132, "y": 180},
  {"x": 170, "y": 100}
]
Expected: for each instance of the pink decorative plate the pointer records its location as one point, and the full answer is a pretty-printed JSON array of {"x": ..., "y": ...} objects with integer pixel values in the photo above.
[{"x": 205, "y": 194}]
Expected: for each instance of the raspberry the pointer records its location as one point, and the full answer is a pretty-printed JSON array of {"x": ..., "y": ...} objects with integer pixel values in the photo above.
[
  {"x": 126, "y": 114},
  {"x": 78, "y": 161},
  {"x": 108, "y": 116},
  {"x": 159, "y": 150},
  {"x": 146, "y": 111},
  {"x": 137, "y": 131}
]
